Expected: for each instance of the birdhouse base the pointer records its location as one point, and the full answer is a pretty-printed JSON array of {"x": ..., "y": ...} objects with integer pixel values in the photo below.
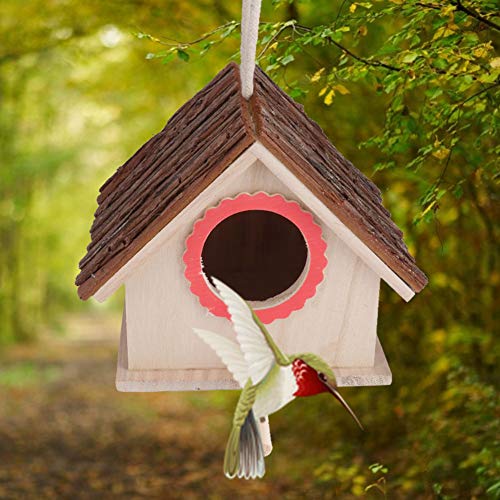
[{"x": 215, "y": 378}]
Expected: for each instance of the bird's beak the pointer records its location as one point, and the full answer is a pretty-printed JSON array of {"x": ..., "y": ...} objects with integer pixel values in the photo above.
[{"x": 333, "y": 390}]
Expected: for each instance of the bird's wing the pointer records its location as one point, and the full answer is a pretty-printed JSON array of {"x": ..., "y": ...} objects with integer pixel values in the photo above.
[
  {"x": 229, "y": 352},
  {"x": 256, "y": 350},
  {"x": 275, "y": 391}
]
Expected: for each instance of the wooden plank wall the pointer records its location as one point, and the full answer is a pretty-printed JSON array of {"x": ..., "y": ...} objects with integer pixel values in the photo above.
[
  {"x": 219, "y": 378},
  {"x": 339, "y": 323}
]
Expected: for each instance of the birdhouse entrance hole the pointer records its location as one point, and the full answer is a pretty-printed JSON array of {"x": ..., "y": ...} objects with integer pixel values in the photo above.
[
  {"x": 266, "y": 248},
  {"x": 259, "y": 254}
]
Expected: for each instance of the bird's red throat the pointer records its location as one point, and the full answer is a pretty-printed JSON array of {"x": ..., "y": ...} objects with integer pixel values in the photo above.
[{"x": 308, "y": 382}]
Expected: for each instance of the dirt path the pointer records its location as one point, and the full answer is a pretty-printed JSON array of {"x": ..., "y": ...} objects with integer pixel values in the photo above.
[{"x": 65, "y": 432}]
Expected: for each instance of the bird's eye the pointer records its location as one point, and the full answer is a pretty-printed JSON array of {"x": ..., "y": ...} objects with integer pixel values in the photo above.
[{"x": 322, "y": 377}]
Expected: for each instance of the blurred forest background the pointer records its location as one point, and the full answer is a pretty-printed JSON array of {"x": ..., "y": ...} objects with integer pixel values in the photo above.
[{"x": 407, "y": 90}]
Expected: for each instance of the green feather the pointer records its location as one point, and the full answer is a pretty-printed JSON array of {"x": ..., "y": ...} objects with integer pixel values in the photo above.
[
  {"x": 314, "y": 361},
  {"x": 281, "y": 358},
  {"x": 232, "y": 455},
  {"x": 245, "y": 403}
]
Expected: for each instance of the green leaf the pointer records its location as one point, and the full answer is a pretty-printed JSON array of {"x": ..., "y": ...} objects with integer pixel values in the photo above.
[
  {"x": 297, "y": 93},
  {"x": 287, "y": 60},
  {"x": 433, "y": 92},
  {"x": 409, "y": 57},
  {"x": 183, "y": 55},
  {"x": 168, "y": 58},
  {"x": 440, "y": 63},
  {"x": 458, "y": 190}
]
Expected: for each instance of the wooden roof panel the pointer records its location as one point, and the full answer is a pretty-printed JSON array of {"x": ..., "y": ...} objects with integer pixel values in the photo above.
[
  {"x": 198, "y": 143},
  {"x": 200, "y": 140},
  {"x": 300, "y": 143}
]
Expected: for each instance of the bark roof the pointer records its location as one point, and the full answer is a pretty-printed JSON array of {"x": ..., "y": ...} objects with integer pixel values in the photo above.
[{"x": 198, "y": 143}]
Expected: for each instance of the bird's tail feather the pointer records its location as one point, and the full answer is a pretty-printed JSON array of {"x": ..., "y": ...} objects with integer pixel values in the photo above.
[
  {"x": 251, "y": 451},
  {"x": 232, "y": 456},
  {"x": 244, "y": 453}
]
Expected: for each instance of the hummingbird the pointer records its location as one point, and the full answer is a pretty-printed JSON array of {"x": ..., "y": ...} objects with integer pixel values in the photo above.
[{"x": 269, "y": 378}]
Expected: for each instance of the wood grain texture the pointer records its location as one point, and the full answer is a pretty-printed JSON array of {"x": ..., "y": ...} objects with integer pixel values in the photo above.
[
  {"x": 162, "y": 310},
  {"x": 300, "y": 143},
  {"x": 358, "y": 333},
  {"x": 317, "y": 207},
  {"x": 378, "y": 374},
  {"x": 293, "y": 184},
  {"x": 128, "y": 380},
  {"x": 198, "y": 144},
  {"x": 198, "y": 205}
]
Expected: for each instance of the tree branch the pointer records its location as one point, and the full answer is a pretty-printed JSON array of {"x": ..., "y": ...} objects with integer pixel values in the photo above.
[
  {"x": 170, "y": 42},
  {"x": 482, "y": 91},
  {"x": 368, "y": 62},
  {"x": 460, "y": 6}
]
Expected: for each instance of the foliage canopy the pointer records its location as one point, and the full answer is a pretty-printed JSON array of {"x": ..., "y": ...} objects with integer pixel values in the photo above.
[{"x": 408, "y": 90}]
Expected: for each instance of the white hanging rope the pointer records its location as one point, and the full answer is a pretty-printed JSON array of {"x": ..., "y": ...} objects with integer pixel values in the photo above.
[{"x": 250, "y": 14}]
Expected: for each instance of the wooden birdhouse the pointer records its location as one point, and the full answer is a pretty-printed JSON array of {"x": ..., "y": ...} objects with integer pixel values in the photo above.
[{"x": 253, "y": 193}]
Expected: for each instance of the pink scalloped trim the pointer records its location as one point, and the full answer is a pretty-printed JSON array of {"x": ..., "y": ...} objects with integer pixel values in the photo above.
[{"x": 258, "y": 201}]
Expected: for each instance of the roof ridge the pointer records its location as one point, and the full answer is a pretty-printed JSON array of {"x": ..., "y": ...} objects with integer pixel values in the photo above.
[
  {"x": 301, "y": 144},
  {"x": 199, "y": 141}
]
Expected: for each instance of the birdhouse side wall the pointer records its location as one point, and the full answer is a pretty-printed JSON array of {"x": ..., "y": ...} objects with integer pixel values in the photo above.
[{"x": 338, "y": 322}]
